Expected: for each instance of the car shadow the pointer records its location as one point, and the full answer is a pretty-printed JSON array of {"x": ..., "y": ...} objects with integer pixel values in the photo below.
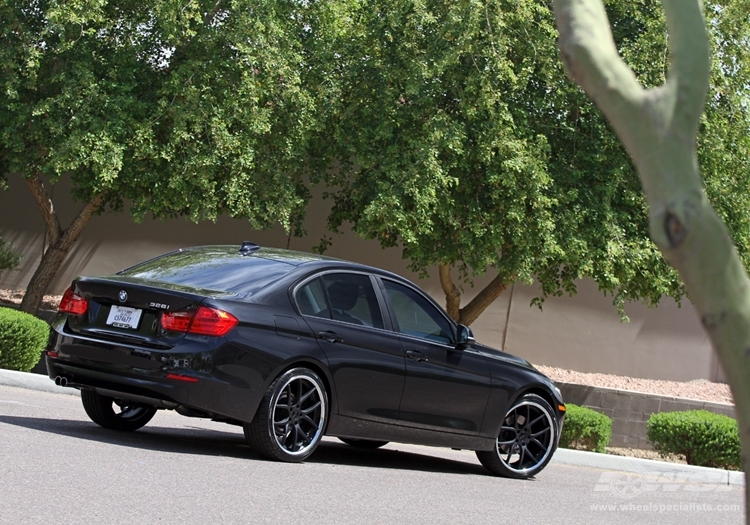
[
  {"x": 341, "y": 454},
  {"x": 198, "y": 441},
  {"x": 208, "y": 442}
]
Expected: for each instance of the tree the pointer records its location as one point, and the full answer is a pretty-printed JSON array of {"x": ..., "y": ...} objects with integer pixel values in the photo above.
[
  {"x": 659, "y": 128},
  {"x": 459, "y": 139},
  {"x": 184, "y": 109}
]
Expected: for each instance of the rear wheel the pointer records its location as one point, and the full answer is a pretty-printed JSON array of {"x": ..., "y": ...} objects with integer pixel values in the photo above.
[
  {"x": 366, "y": 444},
  {"x": 526, "y": 441},
  {"x": 116, "y": 414},
  {"x": 290, "y": 420}
]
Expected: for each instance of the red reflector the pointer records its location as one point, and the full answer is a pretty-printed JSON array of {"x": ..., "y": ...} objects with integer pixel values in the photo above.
[
  {"x": 72, "y": 303},
  {"x": 178, "y": 377},
  {"x": 204, "y": 321},
  {"x": 52, "y": 353}
]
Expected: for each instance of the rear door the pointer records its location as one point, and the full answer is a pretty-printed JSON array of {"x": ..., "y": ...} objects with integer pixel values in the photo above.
[{"x": 365, "y": 360}]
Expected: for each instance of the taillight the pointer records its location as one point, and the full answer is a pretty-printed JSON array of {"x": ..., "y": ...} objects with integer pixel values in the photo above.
[
  {"x": 176, "y": 321},
  {"x": 73, "y": 303},
  {"x": 208, "y": 321},
  {"x": 205, "y": 321}
]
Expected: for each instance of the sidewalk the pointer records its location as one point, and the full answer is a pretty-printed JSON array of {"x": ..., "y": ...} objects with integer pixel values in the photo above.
[
  {"x": 644, "y": 467},
  {"x": 33, "y": 382},
  {"x": 649, "y": 468}
]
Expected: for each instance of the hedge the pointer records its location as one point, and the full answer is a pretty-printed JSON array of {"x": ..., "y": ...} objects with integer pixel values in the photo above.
[
  {"x": 704, "y": 438},
  {"x": 23, "y": 337},
  {"x": 585, "y": 429}
]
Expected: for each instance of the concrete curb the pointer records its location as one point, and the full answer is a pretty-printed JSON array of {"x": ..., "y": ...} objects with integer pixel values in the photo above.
[
  {"x": 649, "y": 468},
  {"x": 644, "y": 467},
  {"x": 33, "y": 382}
]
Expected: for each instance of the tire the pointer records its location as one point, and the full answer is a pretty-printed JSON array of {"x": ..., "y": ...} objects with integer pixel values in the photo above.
[
  {"x": 116, "y": 414},
  {"x": 527, "y": 439},
  {"x": 290, "y": 421},
  {"x": 365, "y": 444}
]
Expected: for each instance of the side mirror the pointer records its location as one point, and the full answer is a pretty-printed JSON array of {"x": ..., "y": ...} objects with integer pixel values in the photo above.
[{"x": 464, "y": 336}]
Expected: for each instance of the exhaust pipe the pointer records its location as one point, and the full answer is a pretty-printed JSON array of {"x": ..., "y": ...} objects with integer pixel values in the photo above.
[{"x": 61, "y": 381}]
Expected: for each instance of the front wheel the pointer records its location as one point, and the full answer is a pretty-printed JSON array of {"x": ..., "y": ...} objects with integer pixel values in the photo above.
[
  {"x": 291, "y": 418},
  {"x": 116, "y": 414},
  {"x": 526, "y": 441}
]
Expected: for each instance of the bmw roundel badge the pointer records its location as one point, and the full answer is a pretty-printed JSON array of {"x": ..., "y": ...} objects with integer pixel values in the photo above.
[{"x": 123, "y": 296}]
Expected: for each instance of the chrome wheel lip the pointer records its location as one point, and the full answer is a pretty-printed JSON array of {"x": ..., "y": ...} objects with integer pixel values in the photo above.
[
  {"x": 322, "y": 410},
  {"x": 549, "y": 448}
]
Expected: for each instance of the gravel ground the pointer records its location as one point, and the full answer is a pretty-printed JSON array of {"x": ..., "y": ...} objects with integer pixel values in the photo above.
[
  {"x": 646, "y": 454},
  {"x": 701, "y": 390},
  {"x": 8, "y": 297}
]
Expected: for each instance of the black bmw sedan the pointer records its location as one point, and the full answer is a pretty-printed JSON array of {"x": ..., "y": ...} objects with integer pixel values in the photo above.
[{"x": 293, "y": 346}]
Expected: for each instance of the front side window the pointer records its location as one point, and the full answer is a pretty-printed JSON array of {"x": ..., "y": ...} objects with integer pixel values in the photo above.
[
  {"x": 416, "y": 315},
  {"x": 346, "y": 297}
]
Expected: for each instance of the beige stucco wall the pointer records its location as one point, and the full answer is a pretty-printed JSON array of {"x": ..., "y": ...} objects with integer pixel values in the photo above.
[{"x": 581, "y": 333}]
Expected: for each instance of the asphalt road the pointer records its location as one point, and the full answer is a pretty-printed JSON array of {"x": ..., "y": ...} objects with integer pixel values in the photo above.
[{"x": 58, "y": 467}]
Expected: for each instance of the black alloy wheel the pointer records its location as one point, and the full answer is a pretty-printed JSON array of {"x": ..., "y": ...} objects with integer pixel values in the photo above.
[
  {"x": 290, "y": 421},
  {"x": 365, "y": 444},
  {"x": 116, "y": 414},
  {"x": 526, "y": 441}
]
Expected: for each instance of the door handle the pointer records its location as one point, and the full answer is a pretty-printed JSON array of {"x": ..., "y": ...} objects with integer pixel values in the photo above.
[
  {"x": 331, "y": 337},
  {"x": 416, "y": 355}
]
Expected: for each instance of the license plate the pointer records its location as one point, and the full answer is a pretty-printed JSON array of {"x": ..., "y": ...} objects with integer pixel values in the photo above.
[{"x": 124, "y": 317}]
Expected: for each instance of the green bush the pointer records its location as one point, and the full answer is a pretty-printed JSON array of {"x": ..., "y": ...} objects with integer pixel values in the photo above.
[
  {"x": 704, "y": 438},
  {"x": 9, "y": 259},
  {"x": 585, "y": 429},
  {"x": 23, "y": 337}
]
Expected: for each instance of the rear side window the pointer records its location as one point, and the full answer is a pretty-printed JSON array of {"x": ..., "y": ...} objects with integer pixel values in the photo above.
[
  {"x": 345, "y": 297},
  {"x": 311, "y": 299}
]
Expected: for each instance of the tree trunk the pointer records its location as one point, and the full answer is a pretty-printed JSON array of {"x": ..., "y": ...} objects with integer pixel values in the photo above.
[
  {"x": 452, "y": 294},
  {"x": 59, "y": 243},
  {"x": 659, "y": 129},
  {"x": 476, "y": 306}
]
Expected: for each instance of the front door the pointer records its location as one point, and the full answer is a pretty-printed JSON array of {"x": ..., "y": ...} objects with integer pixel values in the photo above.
[{"x": 446, "y": 388}]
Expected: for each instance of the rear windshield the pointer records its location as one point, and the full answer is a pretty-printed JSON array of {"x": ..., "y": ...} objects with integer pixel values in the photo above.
[{"x": 218, "y": 268}]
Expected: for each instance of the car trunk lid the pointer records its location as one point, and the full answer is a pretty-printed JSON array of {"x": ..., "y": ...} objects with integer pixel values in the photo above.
[{"x": 129, "y": 311}]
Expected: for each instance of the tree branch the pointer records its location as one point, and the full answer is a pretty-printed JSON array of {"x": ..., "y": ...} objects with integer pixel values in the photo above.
[
  {"x": 590, "y": 57},
  {"x": 691, "y": 68},
  {"x": 72, "y": 232},
  {"x": 49, "y": 215},
  {"x": 54, "y": 256},
  {"x": 483, "y": 299}
]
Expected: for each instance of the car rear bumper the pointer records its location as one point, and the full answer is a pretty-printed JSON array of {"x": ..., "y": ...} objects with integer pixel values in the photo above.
[
  {"x": 156, "y": 391},
  {"x": 166, "y": 379}
]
